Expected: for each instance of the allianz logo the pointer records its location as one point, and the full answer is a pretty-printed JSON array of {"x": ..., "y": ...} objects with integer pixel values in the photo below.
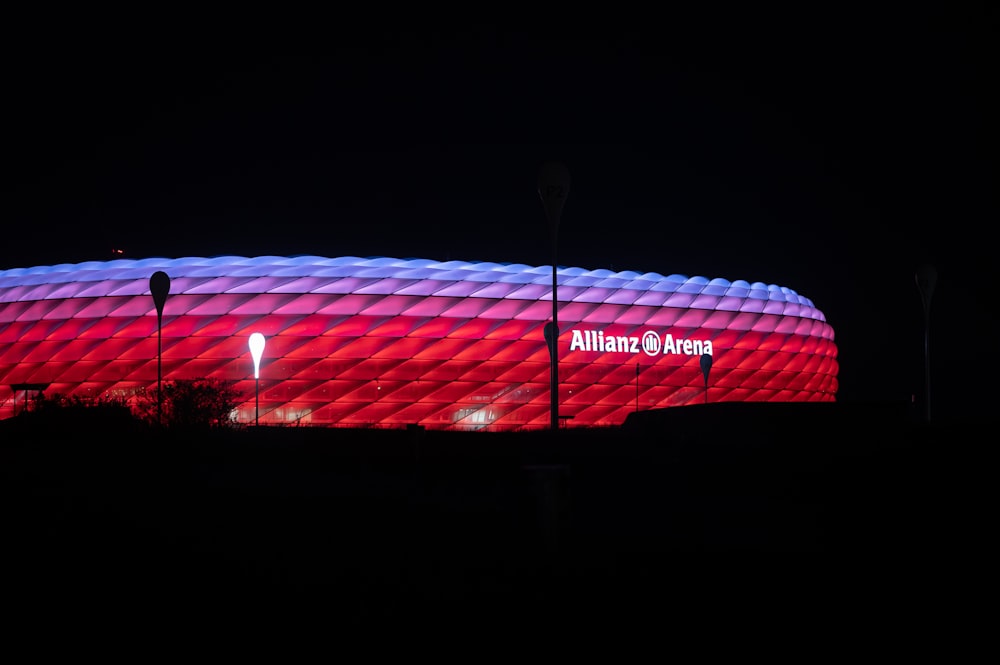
[{"x": 649, "y": 343}]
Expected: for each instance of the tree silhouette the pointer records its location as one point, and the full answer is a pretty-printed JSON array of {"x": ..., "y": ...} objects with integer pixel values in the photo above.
[{"x": 191, "y": 403}]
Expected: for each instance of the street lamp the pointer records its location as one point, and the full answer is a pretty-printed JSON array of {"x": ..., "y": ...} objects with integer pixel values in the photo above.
[
  {"x": 706, "y": 366},
  {"x": 553, "y": 188},
  {"x": 256, "y": 350},
  {"x": 159, "y": 287}
]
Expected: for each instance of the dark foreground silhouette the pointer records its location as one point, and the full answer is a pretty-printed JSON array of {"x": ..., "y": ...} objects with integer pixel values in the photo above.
[{"x": 679, "y": 509}]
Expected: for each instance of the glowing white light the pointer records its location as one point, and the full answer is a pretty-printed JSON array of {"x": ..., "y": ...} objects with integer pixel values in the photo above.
[{"x": 256, "y": 350}]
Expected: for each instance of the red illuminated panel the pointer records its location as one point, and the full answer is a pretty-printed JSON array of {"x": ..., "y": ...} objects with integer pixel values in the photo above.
[
  {"x": 39, "y": 352},
  {"x": 404, "y": 348},
  {"x": 397, "y": 326}
]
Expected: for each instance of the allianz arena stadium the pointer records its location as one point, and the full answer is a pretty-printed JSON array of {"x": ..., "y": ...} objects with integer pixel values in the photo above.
[{"x": 389, "y": 342}]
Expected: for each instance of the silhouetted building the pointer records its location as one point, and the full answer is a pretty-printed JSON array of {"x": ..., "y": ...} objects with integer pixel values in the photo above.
[{"x": 390, "y": 342}]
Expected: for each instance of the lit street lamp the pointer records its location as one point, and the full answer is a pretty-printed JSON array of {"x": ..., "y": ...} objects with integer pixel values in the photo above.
[
  {"x": 553, "y": 188},
  {"x": 256, "y": 350}
]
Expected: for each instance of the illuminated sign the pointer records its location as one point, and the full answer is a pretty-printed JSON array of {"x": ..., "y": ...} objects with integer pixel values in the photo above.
[{"x": 649, "y": 343}]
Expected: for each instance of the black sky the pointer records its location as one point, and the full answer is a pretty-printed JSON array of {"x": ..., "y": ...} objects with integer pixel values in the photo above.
[{"x": 831, "y": 153}]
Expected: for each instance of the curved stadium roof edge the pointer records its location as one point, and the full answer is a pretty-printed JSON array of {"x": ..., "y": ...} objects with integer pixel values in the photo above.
[{"x": 308, "y": 265}]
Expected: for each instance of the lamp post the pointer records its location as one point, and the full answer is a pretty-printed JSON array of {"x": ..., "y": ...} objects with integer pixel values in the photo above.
[
  {"x": 637, "y": 387},
  {"x": 256, "y": 350},
  {"x": 553, "y": 188},
  {"x": 159, "y": 287},
  {"x": 926, "y": 279},
  {"x": 706, "y": 366}
]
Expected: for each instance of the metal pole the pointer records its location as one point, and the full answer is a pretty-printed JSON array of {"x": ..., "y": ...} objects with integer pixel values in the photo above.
[
  {"x": 927, "y": 365},
  {"x": 554, "y": 387},
  {"x": 256, "y": 391},
  {"x": 706, "y": 366},
  {"x": 553, "y": 187},
  {"x": 637, "y": 387},
  {"x": 159, "y": 370}
]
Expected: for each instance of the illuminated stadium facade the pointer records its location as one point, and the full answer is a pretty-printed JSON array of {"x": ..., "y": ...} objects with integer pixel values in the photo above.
[{"x": 393, "y": 342}]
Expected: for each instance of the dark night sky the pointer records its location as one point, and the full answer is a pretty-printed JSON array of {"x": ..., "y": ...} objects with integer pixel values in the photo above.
[{"x": 829, "y": 153}]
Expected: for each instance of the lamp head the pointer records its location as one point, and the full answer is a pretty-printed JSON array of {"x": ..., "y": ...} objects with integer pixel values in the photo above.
[{"x": 256, "y": 350}]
